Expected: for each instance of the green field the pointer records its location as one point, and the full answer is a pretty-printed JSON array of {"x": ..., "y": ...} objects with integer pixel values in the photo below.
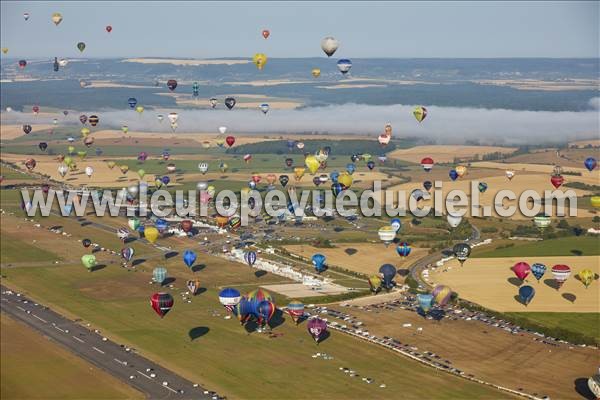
[
  {"x": 34, "y": 367},
  {"x": 568, "y": 246},
  {"x": 584, "y": 323},
  {"x": 14, "y": 250},
  {"x": 9, "y": 173},
  {"x": 228, "y": 358}
]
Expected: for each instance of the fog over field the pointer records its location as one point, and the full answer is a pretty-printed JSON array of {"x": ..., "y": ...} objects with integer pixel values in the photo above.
[{"x": 443, "y": 124}]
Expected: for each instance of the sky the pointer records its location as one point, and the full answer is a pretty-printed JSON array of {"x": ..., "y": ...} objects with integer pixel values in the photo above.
[{"x": 365, "y": 29}]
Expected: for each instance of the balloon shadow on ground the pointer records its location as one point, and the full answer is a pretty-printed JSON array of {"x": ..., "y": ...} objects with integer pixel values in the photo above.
[
  {"x": 85, "y": 223},
  {"x": 518, "y": 299},
  {"x": 98, "y": 267},
  {"x": 199, "y": 267},
  {"x": 569, "y": 297},
  {"x": 514, "y": 281},
  {"x": 350, "y": 251},
  {"x": 403, "y": 272},
  {"x": 260, "y": 273},
  {"x": 56, "y": 228},
  {"x": 138, "y": 261},
  {"x": 251, "y": 326},
  {"x": 167, "y": 281},
  {"x": 277, "y": 319},
  {"x": 171, "y": 254},
  {"x": 582, "y": 388},
  {"x": 200, "y": 291},
  {"x": 325, "y": 336},
  {"x": 576, "y": 252},
  {"x": 437, "y": 314},
  {"x": 447, "y": 252},
  {"x": 197, "y": 332},
  {"x": 95, "y": 250},
  {"x": 552, "y": 283},
  {"x": 338, "y": 229},
  {"x": 129, "y": 240}
]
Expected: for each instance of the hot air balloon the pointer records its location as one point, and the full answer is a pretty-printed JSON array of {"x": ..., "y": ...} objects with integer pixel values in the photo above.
[
  {"x": 595, "y": 201},
  {"x": 260, "y": 60},
  {"x": 284, "y": 179},
  {"x": 132, "y": 101},
  {"x": 172, "y": 84},
  {"x": 329, "y": 45},
  {"x": 388, "y": 272},
  {"x": 265, "y": 310},
  {"x": 344, "y": 65},
  {"x": 396, "y": 223},
  {"x": 250, "y": 257},
  {"x": 526, "y": 294},
  {"x": 151, "y": 234},
  {"x": 30, "y": 164},
  {"x": 441, "y": 294},
  {"x": 195, "y": 89},
  {"x": 453, "y": 220},
  {"x": 86, "y": 243},
  {"x": 420, "y": 113},
  {"x": 482, "y": 186},
  {"x": 229, "y": 298},
  {"x": 127, "y": 254},
  {"x": 453, "y": 174},
  {"x": 159, "y": 275},
  {"x": 387, "y": 234},
  {"x": 318, "y": 261},
  {"x": 89, "y": 261},
  {"x": 594, "y": 385},
  {"x": 403, "y": 249},
  {"x": 542, "y": 221},
  {"x": 296, "y": 310},
  {"x": 186, "y": 226},
  {"x": 316, "y": 72},
  {"x": 193, "y": 286},
  {"x": 26, "y": 16},
  {"x": 230, "y": 140},
  {"x": 538, "y": 270},
  {"x": 93, "y": 120},
  {"x": 89, "y": 171},
  {"x": 161, "y": 303},
  {"x": 590, "y": 163},
  {"x": 375, "y": 283},
  {"x": 189, "y": 258},
  {"x": 427, "y": 164},
  {"x": 213, "y": 102},
  {"x": 312, "y": 163},
  {"x": 108, "y": 28},
  {"x": 383, "y": 139},
  {"x": 317, "y": 328},
  {"x": 229, "y": 102},
  {"x": 43, "y": 146},
  {"x": 264, "y": 107},
  {"x": 5, "y": 50},
  {"x": 509, "y": 174},
  {"x": 259, "y": 295},
  {"x": 461, "y": 251},
  {"x": 57, "y": 18},
  {"x": 27, "y": 129},
  {"x": 521, "y": 270},
  {"x": 557, "y": 181},
  {"x": 299, "y": 173},
  {"x": 561, "y": 273},
  {"x": 461, "y": 170},
  {"x": 425, "y": 301},
  {"x": 265, "y": 33},
  {"x": 586, "y": 276},
  {"x": 81, "y": 46},
  {"x": 35, "y": 109},
  {"x": 83, "y": 118},
  {"x": 62, "y": 170}
]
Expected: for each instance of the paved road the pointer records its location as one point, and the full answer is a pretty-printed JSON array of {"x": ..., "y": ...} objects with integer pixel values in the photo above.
[
  {"x": 416, "y": 268},
  {"x": 148, "y": 377}
]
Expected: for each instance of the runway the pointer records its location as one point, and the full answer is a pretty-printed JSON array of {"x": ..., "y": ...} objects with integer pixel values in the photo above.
[{"x": 146, "y": 376}]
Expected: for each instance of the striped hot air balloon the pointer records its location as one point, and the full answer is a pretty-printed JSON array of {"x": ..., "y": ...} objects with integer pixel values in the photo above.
[
  {"x": 561, "y": 273},
  {"x": 296, "y": 310},
  {"x": 161, "y": 303},
  {"x": 441, "y": 294},
  {"x": 229, "y": 298}
]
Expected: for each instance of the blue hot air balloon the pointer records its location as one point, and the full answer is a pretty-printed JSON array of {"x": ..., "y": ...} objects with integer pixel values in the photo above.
[
  {"x": 250, "y": 257},
  {"x": 161, "y": 225},
  {"x": 453, "y": 174},
  {"x": 132, "y": 102},
  {"x": 396, "y": 224},
  {"x": 590, "y": 163},
  {"x": 427, "y": 185},
  {"x": 165, "y": 180},
  {"x": 482, "y": 186},
  {"x": 334, "y": 175},
  {"x": 189, "y": 258},
  {"x": 337, "y": 188},
  {"x": 318, "y": 261},
  {"x": 127, "y": 253},
  {"x": 403, "y": 249},
  {"x": 538, "y": 270},
  {"x": 291, "y": 144},
  {"x": 229, "y": 298},
  {"x": 140, "y": 230},
  {"x": 526, "y": 293},
  {"x": 388, "y": 271},
  {"x": 350, "y": 168},
  {"x": 370, "y": 164},
  {"x": 425, "y": 301},
  {"x": 344, "y": 65}
]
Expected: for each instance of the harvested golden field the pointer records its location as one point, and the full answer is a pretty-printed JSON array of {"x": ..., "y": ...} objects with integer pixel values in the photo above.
[
  {"x": 569, "y": 159},
  {"x": 445, "y": 153},
  {"x": 365, "y": 258},
  {"x": 591, "y": 178},
  {"x": 10, "y": 132},
  {"x": 491, "y": 283},
  {"x": 587, "y": 142}
]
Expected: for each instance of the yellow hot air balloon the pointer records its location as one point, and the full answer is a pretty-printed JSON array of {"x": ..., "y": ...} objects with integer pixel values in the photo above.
[
  {"x": 125, "y": 129},
  {"x": 68, "y": 161},
  {"x": 420, "y": 113},
  {"x": 586, "y": 277},
  {"x": 312, "y": 163},
  {"x": 345, "y": 179},
  {"x": 111, "y": 164},
  {"x": 141, "y": 173},
  {"x": 223, "y": 167},
  {"x": 316, "y": 72},
  {"x": 259, "y": 60},
  {"x": 461, "y": 170},
  {"x": 85, "y": 131},
  {"x": 595, "y": 201},
  {"x": 151, "y": 234},
  {"x": 124, "y": 168},
  {"x": 220, "y": 142},
  {"x": 71, "y": 149},
  {"x": 73, "y": 166},
  {"x": 211, "y": 190},
  {"x": 57, "y": 18},
  {"x": 5, "y": 50},
  {"x": 82, "y": 154},
  {"x": 139, "y": 109},
  {"x": 299, "y": 172}
]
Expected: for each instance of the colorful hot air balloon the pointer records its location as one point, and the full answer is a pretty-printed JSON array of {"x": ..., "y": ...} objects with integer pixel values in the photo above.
[
  {"x": 57, "y": 18},
  {"x": 482, "y": 186},
  {"x": 586, "y": 276},
  {"x": 260, "y": 60},
  {"x": 387, "y": 234},
  {"x": 538, "y": 270},
  {"x": 403, "y": 249},
  {"x": 172, "y": 84},
  {"x": 561, "y": 273},
  {"x": 283, "y": 180},
  {"x": 420, "y": 113},
  {"x": 329, "y": 45},
  {"x": 557, "y": 181},
  {"x": 461, "y": 170},
  {"x": 159, "y": 275},
  {"x": 521, "y": 270},
  {"x": 542, "y": 221},
  {"x": 93, "y": 120},
  {"x": 86, "y": 243},
  {"x": 317, "y": 328},
  {"x": 127, "y": 254},
  {"x": 427, "y": 164},
  {"x": 461, "y": 251},
  {"x": 266, "y": 310},
  {"x": 250, "y": 257},
  {"x": 22, "y": 64},
  {"x": 425, "y": 301},
  {"x": 161, "y": 303},
  {"x": 264, "y": 107},
  {"x": 453, "y": 174},
  {"x": 229, "y": 298},
  {"x": 441, "y": 294},
  {"x": 296, "y": 310},
  {"x": 318, "y": 261},
  {"x": 193, "y": 286},
  {"x": 375, "y": 283},
  {"x": 89, "y": 261},
  {"x": 312, "y": 163},
  {"x": 259, "y": 295},
  {"x": 509, "y": 174},
  {"x": 526, "y": 294},
  {"x": 26, "y": 129},
  {"x": 26, "y": 16},
  {"x": 344, "y": 65}
]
